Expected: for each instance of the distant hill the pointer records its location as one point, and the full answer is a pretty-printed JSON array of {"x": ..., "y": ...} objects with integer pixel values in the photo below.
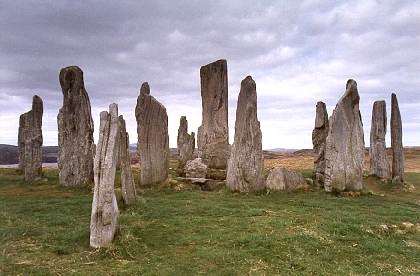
[{"x": 9, "y": 154}]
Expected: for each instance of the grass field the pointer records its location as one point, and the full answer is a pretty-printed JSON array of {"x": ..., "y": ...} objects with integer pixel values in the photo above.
[{"x": 181, "y": 230}]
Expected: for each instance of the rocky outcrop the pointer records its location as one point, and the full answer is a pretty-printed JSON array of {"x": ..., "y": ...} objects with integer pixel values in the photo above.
[
  {"x": 396, "y": 142},
  {"x": 104, "y": 216},
  {"x": 128, "y": 188},
  {"x": 75, "y": 131},
  {"x": 213, "y": 134},
  {"x": 153, "y": 139},
  {"x": 185, "y": 143},
  {"x": 195, "y": 168},
  {"x": 379, "y": 164},
  {"x": 245, "y": 165},
  {"x": 280, "y": 179},
  {"x": 319, "y": 136},
  {"x": 345, "y": 146},
  {"x": 30, "y": 141}
]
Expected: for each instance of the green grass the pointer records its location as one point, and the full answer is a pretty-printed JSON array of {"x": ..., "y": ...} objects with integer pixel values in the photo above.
[{"x": 44, "y": 229}]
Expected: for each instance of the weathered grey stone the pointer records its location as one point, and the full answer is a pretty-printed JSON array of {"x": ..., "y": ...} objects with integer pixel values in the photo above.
[
  {"x": 396, "y": 142},
  {"x": 153, "y": 139},
  {"x": 213, "y": 134},
  {"x": 104, "y": 216},
  {"x": 245, "y": 165},
  {"x": 75, "y": 131},
  {"x": 280, "y": 179},
  {"x": 185, "y": 143},
  {"x": 128, "y": 188},
  {"x": 345, "y": 146},
  {"x": 195, "y": 168},
  {"x": 379, "y": 164},
  {"x": 319, "y": 136},
  {"x": 30, "y": 141}
]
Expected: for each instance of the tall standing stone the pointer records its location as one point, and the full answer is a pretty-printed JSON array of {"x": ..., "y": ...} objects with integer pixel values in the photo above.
[
  {"x": 396, "y": 142},
  {"x": 379, "y": 165},
  {"x": 153, "y": 139},
  {"x": 345, "y": 146},
  {"x": 30, "y": 141},
  {"x": 75, "y": 131},
  {"x": 213, "y": 134},
  {"x": 319, "y": 136},
  {"x": 245, "y": 165},
  {"x": 128, "y": 188},
  {"x": 104, "y": 216},
  {"x": 185, "y": 143}
]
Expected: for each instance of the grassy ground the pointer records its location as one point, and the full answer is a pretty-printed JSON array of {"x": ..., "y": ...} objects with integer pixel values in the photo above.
[{"x": 44, "y": 229}]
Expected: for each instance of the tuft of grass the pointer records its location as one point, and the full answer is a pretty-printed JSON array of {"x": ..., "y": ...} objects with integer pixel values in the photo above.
[{"x": 44, "y": 229}]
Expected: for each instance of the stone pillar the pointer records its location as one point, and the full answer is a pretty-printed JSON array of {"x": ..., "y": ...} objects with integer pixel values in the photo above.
[
  {"x": 153, "y": 139},
  {"x": 396, "y": 142},
  {"x": 213, "y": 134},
  {"x": 345, "y": 146},
  {"x": 245, "y": 165},
  {"x": 128, "y": 188},
  {"x": 75, "y": 131},
  {"x": 30, "y": 141},
  {"x": 104, "y": 217},
  {"x": 185, "y": 143},
  {"x": 379, "y": 165},
  {"x": 319, "y": 136}
]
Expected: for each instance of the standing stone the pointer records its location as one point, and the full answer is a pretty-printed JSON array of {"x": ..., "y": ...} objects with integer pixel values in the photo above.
[
  {"x": 319, "y": 136},
  {"x": 128, "y": 187},
  {"x": 153, "y": 139},
  {"x": 379, "y": 165},
  {"x": 75, "y": 131},
  {"x": 104, "y": 217},
  {"x": 185, "y": 143},
  {"x": 396, "y": 142},
  {"x": 30, "y": 141},
  {"x": 345, "y": 146},
  {"x": 213, "y": 134},
  {"x": 245, "y": 165}
]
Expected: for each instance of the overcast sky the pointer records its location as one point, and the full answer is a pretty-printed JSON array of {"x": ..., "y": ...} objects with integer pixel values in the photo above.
[{"x": 298, "y": 52}]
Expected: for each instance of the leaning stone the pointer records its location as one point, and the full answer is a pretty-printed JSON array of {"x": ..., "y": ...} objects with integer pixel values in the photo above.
[
  {"x": 195, "y": 168},
  {"x": 75, "y": 131},
  {"x": 185, "y": 143},
  {"x": 104, "y": 217},
  {"x": 319, "y": 136},
  {"x": 245, "y": 165},
  {"x": 30, "y": 141},
  {"x": 379, "y": 165},
  {"x": 128, "y": 188},
  {"x": 396, "y": 142},
  {"x": 213, "y": 134},
  {"x": 281, "y": 179},
  {"x": 153, "y": 139},
  {"x": 345, "y": 146}
]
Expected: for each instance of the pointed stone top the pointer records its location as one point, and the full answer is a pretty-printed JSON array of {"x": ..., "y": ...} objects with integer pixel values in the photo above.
[
  {"x": 145, "y": 88},
  {"x": 351, "y": 92},
  {"x": 37, "y": 103},
  {"x": 351, "y": 85},
  {"x": 248, "y": 81},
  {"x": 113, "y": 110},
  {"x": 394, "y": 97},
  {"x": 70, "y": 77}
]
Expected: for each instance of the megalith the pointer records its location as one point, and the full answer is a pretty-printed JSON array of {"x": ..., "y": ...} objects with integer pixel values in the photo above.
[
  {"x": 345, "y": 146},
  {"x": 185, "y": 143},
  {"x": 396, "y": 142},
  {"x": 104, "y": 216},
  {"x": 153, "y": 139},
  {"x": 281, "y": 179},
  {"x": 213, "y": 134},
  {"x": 30, "y": 141},
  {"x": 379, "y": 164},
  {"x": 128, "y": 188},
  {"x": 75, "y": 131},
  {"x": 319, "y": 136},
  {"x": 245, "y": 165}
]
